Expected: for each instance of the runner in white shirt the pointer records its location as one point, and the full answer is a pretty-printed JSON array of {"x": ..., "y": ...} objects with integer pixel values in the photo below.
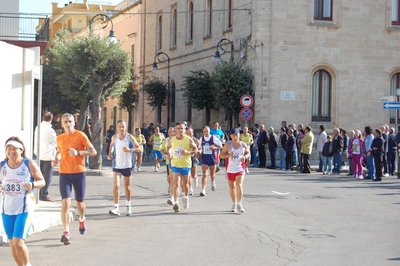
[
  {"x": 18, "y": 176},
  {"x": 236, "y": 153}
]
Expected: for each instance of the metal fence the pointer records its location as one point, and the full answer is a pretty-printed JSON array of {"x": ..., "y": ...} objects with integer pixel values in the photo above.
[{"x": 24, "y": 27}]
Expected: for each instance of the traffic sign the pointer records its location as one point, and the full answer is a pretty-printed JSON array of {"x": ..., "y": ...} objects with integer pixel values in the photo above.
[
  {"x": 391, "y": 105},
  {"x": 246, "y": 101},
  {"x": 389, "y": 98},
  {"x": 246, "y": 114}
]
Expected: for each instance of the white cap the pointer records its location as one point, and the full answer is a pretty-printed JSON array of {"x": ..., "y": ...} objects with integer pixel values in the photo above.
[
  {"x": 15, "y": 143},
  {"x": 184, "y": 122}
]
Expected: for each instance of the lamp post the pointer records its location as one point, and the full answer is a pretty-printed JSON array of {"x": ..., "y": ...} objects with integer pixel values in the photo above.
[
  {"x": 155, "y": 70},
  {"x": 217, "y": 56},
  {"x": 111, "y": 36}
]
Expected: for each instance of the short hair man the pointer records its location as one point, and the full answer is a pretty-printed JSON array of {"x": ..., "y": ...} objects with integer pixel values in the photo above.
[
  {"x": 45, "y": 149},
  {"x": 73, "y": 145}
]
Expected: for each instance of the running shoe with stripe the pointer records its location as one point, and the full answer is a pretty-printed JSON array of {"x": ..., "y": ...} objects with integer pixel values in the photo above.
[
  {"x": 169, "y": 201},
  {"x": 82, "y": 227},
  {"x": 115, "y": 212},
  {"x": 176, "y": 207},
  {"x": 234, "y": 208},
  {"x": 128, "y": 211},
  {"x": 240, "y": 208},
  {"x": 213, "y": 186},
  {"x": 65, "y": 238}
]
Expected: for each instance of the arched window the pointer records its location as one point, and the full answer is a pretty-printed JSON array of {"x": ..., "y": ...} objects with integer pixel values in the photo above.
[
  {"x": 173, "y": 101},
  {"x": 159, "y": 33},
  {"x": 394, "y": 85},
  {"x": 321, "y": 96},
  {"x": 174, "y": 29},
  {"x": 190, "y": 22}
]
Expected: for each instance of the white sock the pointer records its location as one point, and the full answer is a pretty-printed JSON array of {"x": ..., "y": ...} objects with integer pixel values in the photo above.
[
  {"x": 83, "y": 219},
  {"x": 116, "y": 206},
  {"x": 239, "y": 203},
  {"x": 128, "y": 203}
]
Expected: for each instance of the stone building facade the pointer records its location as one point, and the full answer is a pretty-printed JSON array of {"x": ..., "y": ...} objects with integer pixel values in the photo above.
[{"x": 314, "y": 61}]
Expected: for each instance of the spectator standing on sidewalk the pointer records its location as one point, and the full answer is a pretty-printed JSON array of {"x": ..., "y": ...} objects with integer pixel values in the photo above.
[
  {"x": 290, "y": 146},
  {"x": 109, "y": 134},
  {"x": 321, "y": 140},
  {"x": 357, "y": 154},
  {"x": 327, "y": 157},
  {"x": 392, "y": 151},
  {"x": 19, "y": 176},
  {"x": 398, "y": 151},
  {"x": 272, "y": 147},
  {"x": 350, "y": 135},
  {"x": 385, "y": 132},
  {"x": 45, "y": 148},
  {"x": 336, "y": 150},
  {"x": 261, "y": 141},
  {"x": 306, "y": 149},
  {"x": 377, "y": 153},
  {"x": 72, "y": 147},
  {"x": 282, "y": 146},
  {"x": 368, "y": 149}
]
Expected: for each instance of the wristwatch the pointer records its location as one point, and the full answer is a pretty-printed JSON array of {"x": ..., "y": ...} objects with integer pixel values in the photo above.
[{"x": 78, "y": 153}]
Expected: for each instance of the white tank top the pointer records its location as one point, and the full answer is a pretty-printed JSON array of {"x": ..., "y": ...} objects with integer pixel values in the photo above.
[
  {"x": 122, "y": 160},
  {"x": 235, "y": 163},
  {"x": 16, "y": 199}
]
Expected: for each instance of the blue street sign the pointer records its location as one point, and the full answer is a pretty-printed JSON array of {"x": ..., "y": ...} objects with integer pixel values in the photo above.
[{"x": 391, "y": 105}]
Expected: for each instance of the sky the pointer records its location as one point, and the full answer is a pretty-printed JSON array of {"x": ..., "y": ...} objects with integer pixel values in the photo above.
[{"x": 44, "y": 6}]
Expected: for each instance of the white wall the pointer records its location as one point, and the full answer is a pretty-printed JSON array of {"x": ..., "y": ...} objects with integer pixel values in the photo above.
[{"x": 16, "y": 101}]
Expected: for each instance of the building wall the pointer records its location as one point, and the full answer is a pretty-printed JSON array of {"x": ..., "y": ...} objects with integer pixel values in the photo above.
[
  {"x": 16, "y": 103},
  {"x": 285, "y": 47}
]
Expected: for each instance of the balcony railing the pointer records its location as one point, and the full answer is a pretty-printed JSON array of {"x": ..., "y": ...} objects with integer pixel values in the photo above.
[{"x": 24, "y": 27}]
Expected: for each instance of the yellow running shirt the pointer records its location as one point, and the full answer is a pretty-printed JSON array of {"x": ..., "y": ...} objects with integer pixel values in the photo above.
[
  {"x": 157, "y": 142},
  {"x": 178, "y": 160},
  {"x": 139, "y": 140}
]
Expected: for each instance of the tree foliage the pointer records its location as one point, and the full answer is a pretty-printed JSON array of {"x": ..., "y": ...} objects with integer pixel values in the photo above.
[
  {"x": 156, "y": 91},
  {"x": 89, "y": 67},
  {"x": 198, "y": 90},
  {"x": 231, "y": 82},
  {"x": 127, "y": 101}
]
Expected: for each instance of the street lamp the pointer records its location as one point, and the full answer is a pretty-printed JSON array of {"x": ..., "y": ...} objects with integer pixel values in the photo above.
[
  {"x": 111, "y": 36},
  {"x": 217, "y": 56},
  {"x": 155, "y": 70}
]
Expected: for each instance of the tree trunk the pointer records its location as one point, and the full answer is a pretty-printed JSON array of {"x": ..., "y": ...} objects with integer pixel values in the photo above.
[
  {"x": 82, "y": 116},
  {"x": 97, "y": 129},
  {"x": 129, "y": 120},
  {"x": 208, "y": 116},
  {"x": 159, "y": 109}
]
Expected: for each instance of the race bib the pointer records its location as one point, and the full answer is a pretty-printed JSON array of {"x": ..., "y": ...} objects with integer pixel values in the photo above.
[
  {"x": 158, "y": 144},
  {"x": 177, "y": 152},
  {"x": 13, "y": 188},
  {"x": 206, "y": 149}
]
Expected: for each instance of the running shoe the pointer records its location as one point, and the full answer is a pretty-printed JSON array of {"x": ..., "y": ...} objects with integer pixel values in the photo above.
[
  {"x": 176, "y": 207},
  {"x": 169, "y": 201},
  {"x": 156, "y": 169},
  {"x": 82, "y": 227},
  {"x": 65, "y": 238},
  {"x": 247, "y": 170},
  {"x": 234, "y": 208},
  {"x": 139, "y": 170},
  {"x": 196, "y": 182},
  {"x": 128, "y": 211},
  {"x": 191, "y": 192},
  {"x": 203, "y": 192},
  {"x": 115, "y": 212},
  {"x": 185, "y": 202},
  {"x": 240, "y": 208},
  {"x": 213, "y": 186},
  {"x": 217, "y": 169}
]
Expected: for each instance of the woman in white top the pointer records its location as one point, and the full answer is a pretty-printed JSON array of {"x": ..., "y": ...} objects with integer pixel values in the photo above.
[
  {"x": 236, "y": 153},
  {"x": 19, "y": 176}
]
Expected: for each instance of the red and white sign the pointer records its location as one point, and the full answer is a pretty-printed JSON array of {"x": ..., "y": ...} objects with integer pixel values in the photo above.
[
  {"x": 246, "y": 101},
  {"x": 246, "y": 114}
]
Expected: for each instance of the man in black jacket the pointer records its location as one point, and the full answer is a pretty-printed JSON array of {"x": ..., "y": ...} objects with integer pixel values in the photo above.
[
  {"x": 392, "y": 151},
  {"x": 261, "y": 141},
  {"x": 377, "y": 152},
  {"x": 272, "y": 146}
]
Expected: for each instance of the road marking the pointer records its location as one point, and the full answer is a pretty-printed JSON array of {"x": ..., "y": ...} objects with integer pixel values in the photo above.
[{"x": 281, "y": 193}]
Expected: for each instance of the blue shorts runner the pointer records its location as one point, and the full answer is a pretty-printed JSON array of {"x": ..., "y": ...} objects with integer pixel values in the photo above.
[
  {"x": 77, "y": 181},
  {"x": 182, "y": 171},
  {"x": 209, "y": 161},
  {"x": 127, "y": 172},
  {"x": 157, "y": 155},
  {"x": 17, "y": 226}
]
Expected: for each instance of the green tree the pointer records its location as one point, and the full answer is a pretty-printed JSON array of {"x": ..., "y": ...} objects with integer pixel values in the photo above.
[
  {"x": 127, "y": 102},
  {"x": 91, "y": 66},
  {"x": 231, "y": 82},
  {"x": 156, "y": 92},
  {"x": 198, "y": 90}
]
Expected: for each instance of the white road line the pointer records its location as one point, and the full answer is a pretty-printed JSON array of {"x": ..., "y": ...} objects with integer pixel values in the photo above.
[{"x": 281, "y": 193}]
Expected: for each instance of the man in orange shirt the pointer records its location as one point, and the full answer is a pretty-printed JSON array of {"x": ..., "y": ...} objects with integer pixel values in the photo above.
[{"x": 73, "y": 145}]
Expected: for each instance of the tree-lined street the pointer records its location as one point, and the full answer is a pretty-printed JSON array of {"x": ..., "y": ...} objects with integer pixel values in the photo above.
[{"x": 290, "y": 219}]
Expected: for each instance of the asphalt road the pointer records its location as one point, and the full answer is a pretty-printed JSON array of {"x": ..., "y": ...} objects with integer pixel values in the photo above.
[{"x": 290, "y": 219}]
